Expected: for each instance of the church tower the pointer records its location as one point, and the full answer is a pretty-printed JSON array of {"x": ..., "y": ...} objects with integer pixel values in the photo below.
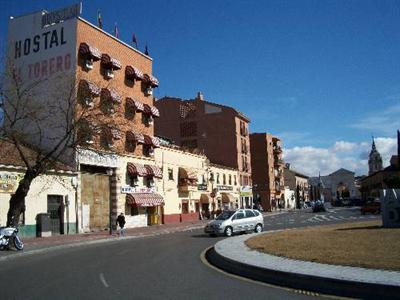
[{"x": 374, "y": 160}]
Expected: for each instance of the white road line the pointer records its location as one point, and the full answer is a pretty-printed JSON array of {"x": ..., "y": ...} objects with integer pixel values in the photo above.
[{"x": 103, "y": 280}]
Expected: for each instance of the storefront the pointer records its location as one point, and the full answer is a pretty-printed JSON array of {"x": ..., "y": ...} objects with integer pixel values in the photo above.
[{"x": 246, "y": 197}]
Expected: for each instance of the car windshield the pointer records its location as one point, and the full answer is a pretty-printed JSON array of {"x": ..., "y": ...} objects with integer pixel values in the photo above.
[{"x": 225, "y": 215}]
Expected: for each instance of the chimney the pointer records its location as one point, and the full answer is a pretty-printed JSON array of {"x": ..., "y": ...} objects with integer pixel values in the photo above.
[{"x": 199, "y": 96}]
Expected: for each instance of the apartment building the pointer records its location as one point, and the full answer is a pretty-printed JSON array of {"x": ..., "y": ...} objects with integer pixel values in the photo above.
[
  {"x": 219, "y": 131},
  {"x": 267, "y": 170}
]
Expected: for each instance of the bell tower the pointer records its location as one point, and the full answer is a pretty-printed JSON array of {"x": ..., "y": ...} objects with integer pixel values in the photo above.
[{"x": 374, "y": 160}]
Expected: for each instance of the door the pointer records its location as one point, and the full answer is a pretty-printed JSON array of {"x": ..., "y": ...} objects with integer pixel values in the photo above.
[
  {"x": 95, "y": 192},
  {"x": 238, "y": 221},
  {"x": 55, "y": 208}
]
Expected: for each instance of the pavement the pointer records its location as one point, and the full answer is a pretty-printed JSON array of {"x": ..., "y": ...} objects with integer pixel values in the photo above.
[{"x": 233, "y": 256}]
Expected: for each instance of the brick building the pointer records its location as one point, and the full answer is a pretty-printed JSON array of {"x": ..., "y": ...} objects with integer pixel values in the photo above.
[
  {"x": 267, "y": 169},
  {"x": 113, "y": 85},
  {"x": 218, "y": 131}
]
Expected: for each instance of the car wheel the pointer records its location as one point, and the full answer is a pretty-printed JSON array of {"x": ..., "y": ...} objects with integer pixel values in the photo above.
[
  {"x": 228, "y": 231},
  {"x": 258, "y": 228}
]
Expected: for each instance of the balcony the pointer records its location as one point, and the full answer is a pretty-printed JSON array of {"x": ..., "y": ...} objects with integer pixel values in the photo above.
[{"x": 277, "y": 149}]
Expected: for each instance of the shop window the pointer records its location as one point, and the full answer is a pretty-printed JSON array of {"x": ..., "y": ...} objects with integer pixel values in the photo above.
[
  {"x": 185, "y": 207},
  {"x": 170, "y": 174}
]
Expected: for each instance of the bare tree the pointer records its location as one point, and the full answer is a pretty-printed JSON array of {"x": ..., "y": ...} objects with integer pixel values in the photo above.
[{"x": 52, "y": 116}]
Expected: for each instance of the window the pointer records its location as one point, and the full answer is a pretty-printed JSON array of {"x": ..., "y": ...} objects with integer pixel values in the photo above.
[
  {"x": 203, "y": 179},
  {"x": 150, "y": 182},
  {"x": 239, "y": 216},
  {"x": 234, "y": 180},
  {"x": 223, "y": 179},
  {"x": 148, "y": 150},
  {"x": 148, "y": 119},
  {"x": 217, "y": 178},
  {"x": 133, "y": 180},
  {"x": 170, "y": 174},
  {"x": 249, "y": 214},
  {"x": 230, "y": 179}
]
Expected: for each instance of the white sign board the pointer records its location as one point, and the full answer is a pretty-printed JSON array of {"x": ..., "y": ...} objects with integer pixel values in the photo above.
[{"x": 90, "y": 157}]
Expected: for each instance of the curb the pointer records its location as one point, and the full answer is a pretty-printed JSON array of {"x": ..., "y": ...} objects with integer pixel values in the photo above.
[
  {"x": 323, "y": 285},
  {"x": 77, "y": 244}
]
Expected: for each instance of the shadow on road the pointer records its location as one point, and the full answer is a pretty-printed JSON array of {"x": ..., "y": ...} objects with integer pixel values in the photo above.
[{"x": 360, "y": 228}]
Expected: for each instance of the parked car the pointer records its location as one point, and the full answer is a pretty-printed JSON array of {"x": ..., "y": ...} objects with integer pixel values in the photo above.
[
  {"x": 318, "y": 206},
  {"x": 373, "y": 207},
  {"x": 233, "y": 221}
]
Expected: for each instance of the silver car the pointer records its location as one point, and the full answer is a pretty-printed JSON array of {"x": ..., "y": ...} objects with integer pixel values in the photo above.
[{"x": 231, "y": 221}]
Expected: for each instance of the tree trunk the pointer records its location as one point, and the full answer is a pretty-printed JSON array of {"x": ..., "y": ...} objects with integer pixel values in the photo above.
[{"x": 17, "y": 200}]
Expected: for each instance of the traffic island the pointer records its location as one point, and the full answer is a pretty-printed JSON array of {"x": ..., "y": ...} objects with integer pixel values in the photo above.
[{"x": 234, "y": 256}]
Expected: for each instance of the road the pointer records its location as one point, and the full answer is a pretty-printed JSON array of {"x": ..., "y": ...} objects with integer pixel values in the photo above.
[{"x": 159, "y": 267}]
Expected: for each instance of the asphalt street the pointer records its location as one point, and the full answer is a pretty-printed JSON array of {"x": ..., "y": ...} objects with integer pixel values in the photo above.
[{"x": 159, "y": 267}]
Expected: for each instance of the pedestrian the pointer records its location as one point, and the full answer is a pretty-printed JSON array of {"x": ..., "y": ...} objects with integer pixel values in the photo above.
[{"x": 121, "y": 222}]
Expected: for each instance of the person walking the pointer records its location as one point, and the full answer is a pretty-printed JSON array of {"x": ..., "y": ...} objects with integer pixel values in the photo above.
[{"x": 121, "y": 222}]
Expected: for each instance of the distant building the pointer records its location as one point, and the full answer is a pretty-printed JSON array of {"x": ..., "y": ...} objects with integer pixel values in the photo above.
[
  {"x": 218, "y": 131},
  {"x": 338, "y": 185},
  {"x": 267, "y": 170},
  {"x": 298, "y": 183}
]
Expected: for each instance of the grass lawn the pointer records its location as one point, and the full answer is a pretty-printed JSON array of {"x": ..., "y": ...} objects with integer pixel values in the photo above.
[{"x": 364, "y": 244}]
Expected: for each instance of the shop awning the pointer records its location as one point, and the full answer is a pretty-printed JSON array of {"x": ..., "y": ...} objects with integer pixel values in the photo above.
[
  {"x": 153, "y": 171},
  {"x": 110, "y": 62},
  {"x": 227, "y": 197},
  {"x": 145, "y": 199},
  {"x": 89, "y": 51},
  {"x": 135, "y": 103},
  {"x": 150, "y": 80},
  {"x": 151, "y": 141},
  {"x": 90, "y": 87},
  {"x": 133, "y": 73},
  {"x": 135, "y": 169},
  {"x": 187, "y": 173},
  {"x": 112, "y": 95}
]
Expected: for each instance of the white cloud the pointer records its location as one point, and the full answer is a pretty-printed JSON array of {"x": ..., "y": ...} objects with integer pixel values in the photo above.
[{"x": 352, "y": 156}]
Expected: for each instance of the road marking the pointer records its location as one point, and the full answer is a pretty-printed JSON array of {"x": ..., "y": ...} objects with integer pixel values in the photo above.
[{"x": 103, "y": 280}]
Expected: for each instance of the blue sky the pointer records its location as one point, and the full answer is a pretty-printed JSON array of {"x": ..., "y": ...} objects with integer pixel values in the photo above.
[{"x": 316, "y": 73}]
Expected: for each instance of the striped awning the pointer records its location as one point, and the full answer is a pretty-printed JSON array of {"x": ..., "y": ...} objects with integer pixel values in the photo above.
[
  {"x": 187, "y": 173},
  {"x": 144, "y": 199},
  {"x": 135, "y": 169},
  {"x": 90, "y": 87},
  {"x": 133, "y": 73},
  {"x": 151, "y": 110},
  {"x": 89, "y": 51},
  {"x": 112, "y": 95},
  {"x": 151, "y": 141},
  {"x": 150, "y": 80},
  {"x": 110, "y": 62},
  {"x": 139, "y": 106},
  {"x": 137, "y": 137},
  {"x": 153, "y": 171}
]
